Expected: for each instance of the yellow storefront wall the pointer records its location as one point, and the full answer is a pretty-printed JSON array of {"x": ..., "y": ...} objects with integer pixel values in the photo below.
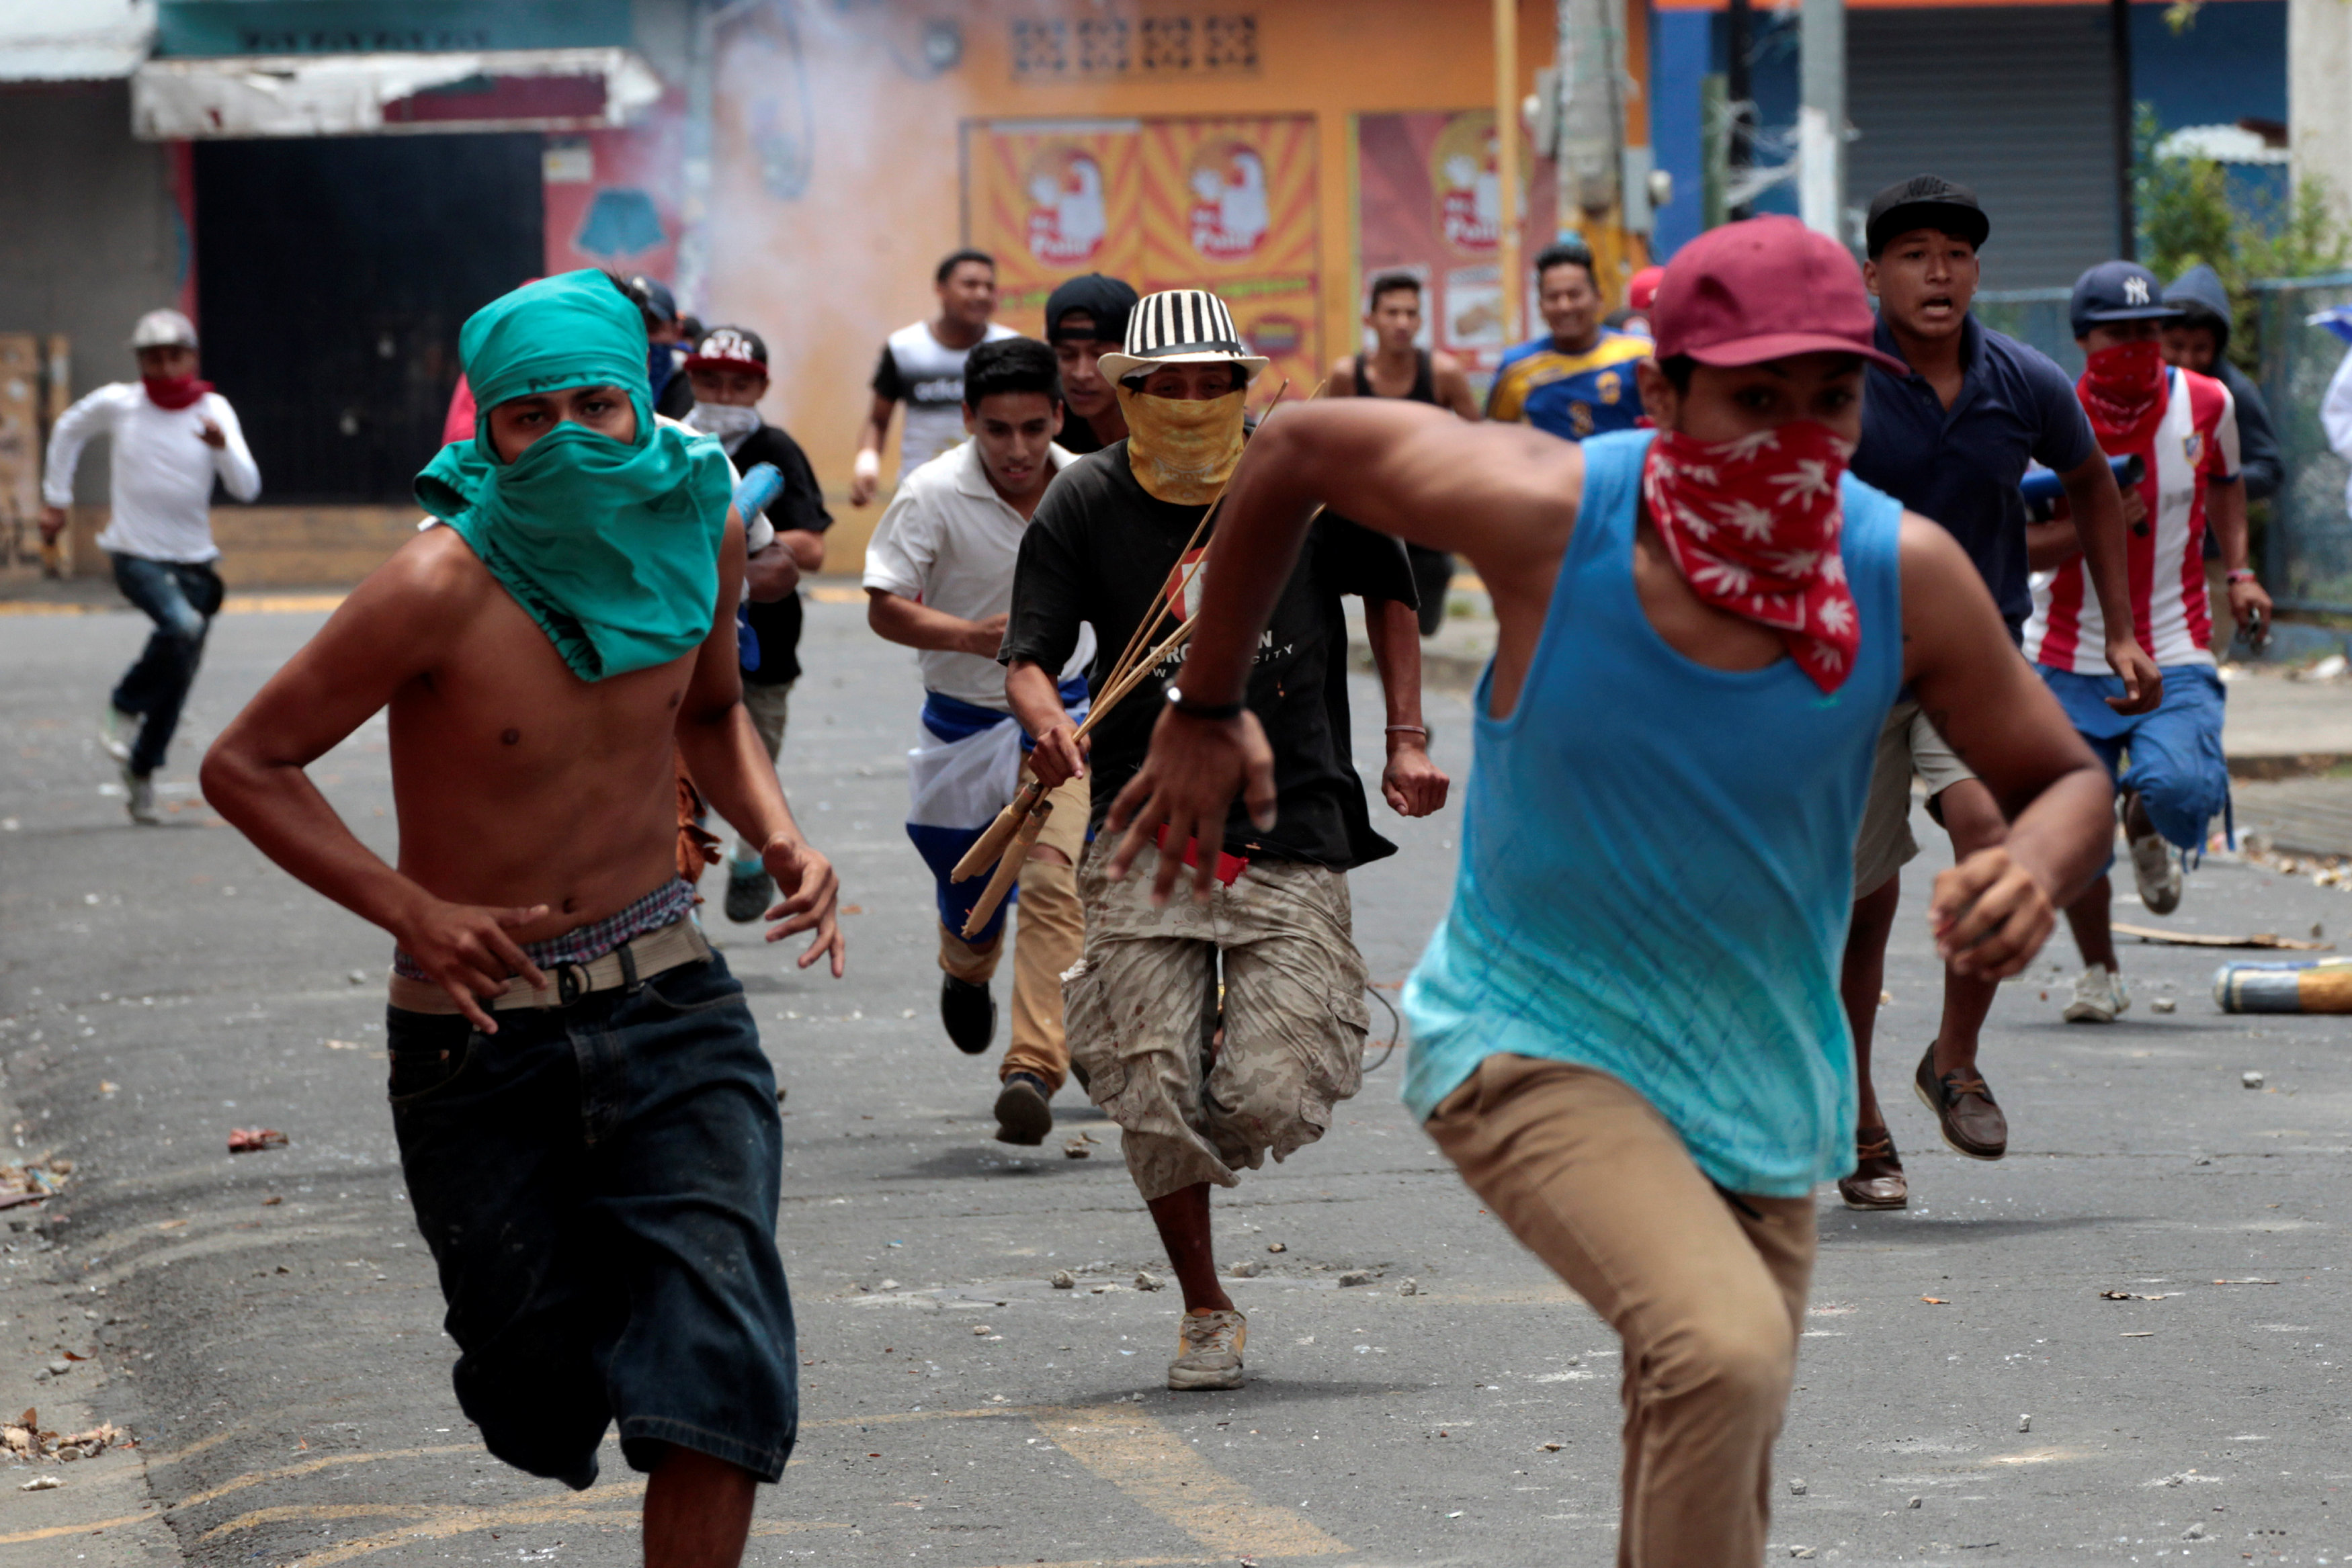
[{"x": 879, "y": 186}]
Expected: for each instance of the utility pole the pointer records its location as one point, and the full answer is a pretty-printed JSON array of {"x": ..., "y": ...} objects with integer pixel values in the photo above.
[
  {"x": 1591, "y": 151},
  {"x": 1820, "y": 120},
  {"x": 1507, "y": 162},
  {"x": 2120, "y": 51},
  {"x": 1738, "y": 43}
]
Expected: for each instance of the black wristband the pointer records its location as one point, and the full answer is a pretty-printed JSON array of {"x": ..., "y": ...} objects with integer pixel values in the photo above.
[{"x": 1217, "y": 711}]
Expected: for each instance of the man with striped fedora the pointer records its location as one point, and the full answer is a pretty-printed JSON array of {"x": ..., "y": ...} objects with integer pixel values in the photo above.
[{"x": 1219, "y": 1032}]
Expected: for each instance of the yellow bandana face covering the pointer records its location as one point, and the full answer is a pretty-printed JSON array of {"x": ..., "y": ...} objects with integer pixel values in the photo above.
[{"x": 1182, "y": 449}]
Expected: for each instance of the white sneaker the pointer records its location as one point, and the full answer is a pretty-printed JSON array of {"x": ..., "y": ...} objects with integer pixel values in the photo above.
[
  {"x": 138, "y": 798},
  {"x": 117, "y": 730},
  {"x": 1209, "y": 1351},
  {"x": 2099, "y": 995},
  {"x": 2158, "y": 871}
]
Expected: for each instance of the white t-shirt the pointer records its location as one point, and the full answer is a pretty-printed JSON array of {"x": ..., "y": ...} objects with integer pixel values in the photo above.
[
  {"x": 925, "y": 374},
  {"x": 949, "y": 541},
  {"x": 163, "y": 473}
]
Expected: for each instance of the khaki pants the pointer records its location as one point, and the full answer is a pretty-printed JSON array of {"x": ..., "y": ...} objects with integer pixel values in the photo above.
[
  {"x": 1706, "y": 1289},
  {"x": 1048, "y": 932},
  {"x": 1144, "y": 1009},
  {"x": 1907, "y": 744},
  {"x": 770, "y": 707}
]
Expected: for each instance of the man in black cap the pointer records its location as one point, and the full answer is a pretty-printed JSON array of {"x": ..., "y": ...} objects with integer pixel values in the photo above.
[
  {"x": 728, "y": 373},
  {"x": 1950, "y": 441},
  {"x": 1086, "y": 318}
]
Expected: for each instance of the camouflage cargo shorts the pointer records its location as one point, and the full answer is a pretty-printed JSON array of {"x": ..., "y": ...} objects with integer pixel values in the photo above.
[{"x": 1143, "y": 1010}]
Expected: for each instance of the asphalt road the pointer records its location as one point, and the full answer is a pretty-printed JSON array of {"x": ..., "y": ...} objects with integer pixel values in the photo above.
[{"x": 266, "y": 1325}]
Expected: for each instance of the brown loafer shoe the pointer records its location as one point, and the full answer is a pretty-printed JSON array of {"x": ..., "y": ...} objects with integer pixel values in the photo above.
[
  {"x": 1971, "y": 1123},
  {"x": 1877, "y": 1181}
]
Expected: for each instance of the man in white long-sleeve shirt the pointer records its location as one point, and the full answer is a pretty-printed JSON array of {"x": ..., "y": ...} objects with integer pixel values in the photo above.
[
  {"x": 2335, "y": 411},
  {"x": 172, "y": 435}
]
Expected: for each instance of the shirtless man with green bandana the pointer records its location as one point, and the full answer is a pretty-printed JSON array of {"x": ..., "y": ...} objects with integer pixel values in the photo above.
[{"x": 586, "y": 1122}]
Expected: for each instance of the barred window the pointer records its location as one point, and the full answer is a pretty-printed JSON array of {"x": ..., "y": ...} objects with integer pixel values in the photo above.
[{"x": 1116, "y": 45}]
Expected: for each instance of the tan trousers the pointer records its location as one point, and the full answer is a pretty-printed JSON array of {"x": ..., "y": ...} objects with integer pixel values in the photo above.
[
  {"x": 1706, "y": 1288},
  {"x": 1048, "y": 934}
]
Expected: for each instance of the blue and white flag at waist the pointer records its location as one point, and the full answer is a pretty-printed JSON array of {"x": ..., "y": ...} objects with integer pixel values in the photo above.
[{"x": 966, "y": 770}]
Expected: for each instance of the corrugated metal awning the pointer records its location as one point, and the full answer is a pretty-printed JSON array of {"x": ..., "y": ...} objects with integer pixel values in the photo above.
[
  {"x": 74, "y": 40},
  {"x": 366, "y": 94}
]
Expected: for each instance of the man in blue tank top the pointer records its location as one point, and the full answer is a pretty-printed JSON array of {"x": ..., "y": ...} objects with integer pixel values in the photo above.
[{"x": 1626, "y": 1031}]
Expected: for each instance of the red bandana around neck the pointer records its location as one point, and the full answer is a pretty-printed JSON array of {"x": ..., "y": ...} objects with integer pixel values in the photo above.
[
  {"x": 2122, "y": 390},
  {"x": 174, "y": 392},
  {"x": 1753, "y": 525}
]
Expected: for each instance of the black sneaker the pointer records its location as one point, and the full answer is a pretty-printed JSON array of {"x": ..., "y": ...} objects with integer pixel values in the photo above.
[
  {"x": 969, "y": 1014},
  {"x": 749, "y": 894},
  {"x": 1024, "y": 1114}
]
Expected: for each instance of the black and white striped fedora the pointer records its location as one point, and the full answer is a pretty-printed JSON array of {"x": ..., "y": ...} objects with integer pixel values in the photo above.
[{"x": 1181, "y": 326}]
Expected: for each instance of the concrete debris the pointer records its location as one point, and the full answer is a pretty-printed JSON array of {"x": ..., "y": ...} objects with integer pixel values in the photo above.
[
  {"x": 2164, "y": 1005},
  {"x": 1061, "y": 1280},
  {"x": 2251, "y": 1080},
  {"x": 251, "y": 1140},
  {"x": 41, "y": 1483},
  {"x": 1796, "y": 1487},
  {"x": 1913, "y": 1503},
  {"x": 1356, "y": 1276},
  {"x": 1277, "y": 1247},
  {"x": 981, "y": 1330},
  {"x": 1147, "y": 1282},
  {"x": 1245, "y": 1270},
  {"x": 2194, "y": 1533},
  {"x": 1409, "y": 1288},
  {"x": 887, "y": 1285},
  {"x": 1800, "y": 1551},
  {"x": 1553, "y": 1447},
  {"x": 1075, "y": 1149},
  {"x": 2025, "y": 1423}
]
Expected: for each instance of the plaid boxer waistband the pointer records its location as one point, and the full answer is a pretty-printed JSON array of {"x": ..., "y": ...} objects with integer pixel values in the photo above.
[{"x": 625, "y": 968}]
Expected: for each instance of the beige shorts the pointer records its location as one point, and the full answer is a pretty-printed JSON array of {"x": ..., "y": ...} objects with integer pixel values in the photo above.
[
  {"x": 1142, "y": 1009},
  {"x": 1908, "y": 744}
]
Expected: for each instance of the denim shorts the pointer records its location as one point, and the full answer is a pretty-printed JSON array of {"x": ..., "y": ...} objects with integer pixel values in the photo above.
[
  {"x": 2176, "y": 764},
  {"x": 599, "y": 1184}
]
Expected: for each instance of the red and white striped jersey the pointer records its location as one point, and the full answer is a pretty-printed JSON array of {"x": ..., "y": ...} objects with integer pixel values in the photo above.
[{"x": 2195, "y": 442}]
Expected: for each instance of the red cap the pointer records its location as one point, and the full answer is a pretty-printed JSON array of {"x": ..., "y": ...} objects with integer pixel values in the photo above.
[
  {"x": 1642, "y": 288},
  {"x": 1764, "y": 289}
]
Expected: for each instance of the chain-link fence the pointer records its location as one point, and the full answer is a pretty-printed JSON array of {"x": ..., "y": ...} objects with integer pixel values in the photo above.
[
  {"x": 2307, "y": 545},
  {"x": 2308, "y": 555}
]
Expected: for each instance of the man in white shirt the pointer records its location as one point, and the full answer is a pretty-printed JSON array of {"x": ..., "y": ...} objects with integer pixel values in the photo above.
[
  {"x": 922, "y": 367},
  {"x": 2336, "y": 410},
  {"x": 172, "y": 436},
  {"x": 938, "y": 579}
]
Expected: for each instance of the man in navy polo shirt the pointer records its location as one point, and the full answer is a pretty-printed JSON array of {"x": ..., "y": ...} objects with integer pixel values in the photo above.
[{"x": 1951, "y": 441}]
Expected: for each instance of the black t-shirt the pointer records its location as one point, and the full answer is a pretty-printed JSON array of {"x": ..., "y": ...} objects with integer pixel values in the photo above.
[
  {"x": 799, "y": 504},
  {"x": 1078, "y": 435},
  {"x": 1102, "y": 549}
]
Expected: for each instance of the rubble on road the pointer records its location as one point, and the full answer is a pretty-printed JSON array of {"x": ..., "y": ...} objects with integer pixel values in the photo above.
[{"x": 24, "y": 1440}]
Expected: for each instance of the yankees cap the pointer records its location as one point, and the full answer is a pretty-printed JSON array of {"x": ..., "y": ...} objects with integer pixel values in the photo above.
[
  {"x": 1924, "y": 201},
  {"x": 2117, "y": 291}
]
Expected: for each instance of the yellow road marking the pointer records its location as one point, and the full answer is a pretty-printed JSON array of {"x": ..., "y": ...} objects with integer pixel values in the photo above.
[
  {"x": 278, "y": 603},
  {"x": 54, "y": 1531},
  {"x": 234, "y": 604},
  {"x": 1160, "y": 1470},
  {"x": 311, "y": 1466}
]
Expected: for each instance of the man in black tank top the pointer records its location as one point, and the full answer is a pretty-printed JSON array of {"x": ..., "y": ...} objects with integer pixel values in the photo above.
[{"x": 1394, "y": 318}]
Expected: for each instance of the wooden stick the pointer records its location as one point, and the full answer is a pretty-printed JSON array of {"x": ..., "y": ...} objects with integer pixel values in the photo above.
[
  {"x": 991, "y": 844},
  {"x": 1007, "y": 870}
]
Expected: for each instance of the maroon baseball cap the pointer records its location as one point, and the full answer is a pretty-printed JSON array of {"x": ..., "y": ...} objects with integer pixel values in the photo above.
[{"x": 1764, "y": 289}]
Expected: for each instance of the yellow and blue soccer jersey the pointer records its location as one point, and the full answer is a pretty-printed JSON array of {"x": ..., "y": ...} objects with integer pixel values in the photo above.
[{"x": 1571, "y": 395}]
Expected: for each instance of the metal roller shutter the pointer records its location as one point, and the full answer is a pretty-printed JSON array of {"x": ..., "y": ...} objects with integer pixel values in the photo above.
[{"x": 2015, "y": 100}]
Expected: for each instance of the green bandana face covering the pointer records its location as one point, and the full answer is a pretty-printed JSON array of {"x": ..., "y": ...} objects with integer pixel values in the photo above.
[{"x": 611, "y": 547}]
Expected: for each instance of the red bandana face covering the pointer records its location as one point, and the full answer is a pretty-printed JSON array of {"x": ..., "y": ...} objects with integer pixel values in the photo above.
[
  {"x": 1753, "y": 525},
  {"x": 2122, "y": 390},
  {"x": 174, "y": 392}
]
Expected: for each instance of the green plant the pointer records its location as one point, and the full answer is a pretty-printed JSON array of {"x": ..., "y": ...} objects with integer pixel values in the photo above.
[{"x": 2187, "y": 214}]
